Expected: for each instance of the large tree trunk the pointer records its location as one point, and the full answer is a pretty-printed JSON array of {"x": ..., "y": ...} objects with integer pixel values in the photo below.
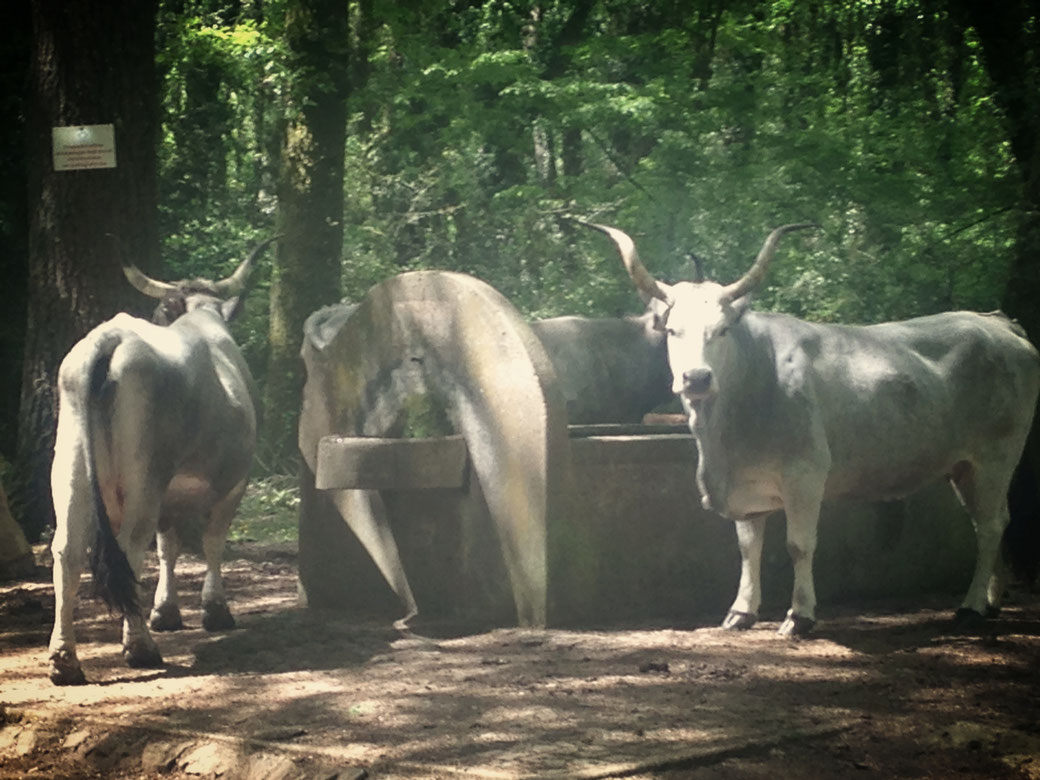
[
  {"x": 15, "y": 40},
  {"x": 310, "y": 208},
  {"x": 93, "y": 63}
]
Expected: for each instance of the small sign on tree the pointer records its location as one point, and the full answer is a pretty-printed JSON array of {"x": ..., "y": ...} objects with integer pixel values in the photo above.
[{"x": 84, "y": 147}]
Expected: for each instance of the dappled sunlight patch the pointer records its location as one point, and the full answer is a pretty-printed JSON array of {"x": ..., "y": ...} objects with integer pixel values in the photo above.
[{"x": 291, "y": 683}]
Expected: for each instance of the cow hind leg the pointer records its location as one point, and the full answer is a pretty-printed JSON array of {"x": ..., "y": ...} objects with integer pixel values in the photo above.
[
  {"x": 139, "y": 649},
  {"x": 802, "y": 506},
  {"x": 984, "y": 494},
  {"x": 166, "y": 612},
  {"x": 69, "y": 562},
  {"x": 215, "y": 613},
  {"x": 74, "y": 524},
  {"x": 743, "y": 614}
]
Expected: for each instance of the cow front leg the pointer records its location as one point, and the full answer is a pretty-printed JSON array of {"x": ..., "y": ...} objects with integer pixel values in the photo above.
[
  {"x": 215, "y": 613},
  {"x": 803, "y": 517},
  {"x": 743, "y": 614},
  {"x": 166, "y": 612}
]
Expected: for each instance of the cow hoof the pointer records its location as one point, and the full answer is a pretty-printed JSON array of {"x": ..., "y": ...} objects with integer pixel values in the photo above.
[
  {"x": 65, "y": 669},
  {"x": 141, "y": 655},
  {"x": 217, "y": 617},
  {"x": 968, "y": 620},
  {"x": 739, "y": 621},
  {"x": 166, "y": 617},
  {"x": 796, "y": 625}
]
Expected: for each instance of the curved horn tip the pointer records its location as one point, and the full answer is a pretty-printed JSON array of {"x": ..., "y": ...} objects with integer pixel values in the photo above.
[
  {"x": 234, "y": 284},
  {"x": 144, "y": 283},
  {"x": 644, "y": 281}
]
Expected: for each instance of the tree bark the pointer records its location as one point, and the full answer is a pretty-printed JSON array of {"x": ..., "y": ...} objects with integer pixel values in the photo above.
[
  {"x": 92, "y": 63},
  {"x": 15, "y": 40},
  {"x": 307, "y": 267}
]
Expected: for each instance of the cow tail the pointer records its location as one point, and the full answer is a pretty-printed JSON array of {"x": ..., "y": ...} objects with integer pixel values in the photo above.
[{"x": 114, "y": 579}]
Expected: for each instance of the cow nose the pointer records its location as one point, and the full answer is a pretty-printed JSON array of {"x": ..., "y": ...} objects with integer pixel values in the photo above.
[{"x": 697, "y": 381}]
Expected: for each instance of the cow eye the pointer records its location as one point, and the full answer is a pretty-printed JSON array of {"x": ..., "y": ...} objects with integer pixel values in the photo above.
[{"x": 720, "y": 332}]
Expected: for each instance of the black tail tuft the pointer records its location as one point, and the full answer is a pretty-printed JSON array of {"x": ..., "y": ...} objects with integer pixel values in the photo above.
[{"x": 114, "y": 579}]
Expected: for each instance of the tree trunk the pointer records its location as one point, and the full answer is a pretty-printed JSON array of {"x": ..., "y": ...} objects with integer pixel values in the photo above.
[
  {"x": 15, "y": 41},
  {"x": 93, "y": 63},
  {"x": 307, "y": 266}
]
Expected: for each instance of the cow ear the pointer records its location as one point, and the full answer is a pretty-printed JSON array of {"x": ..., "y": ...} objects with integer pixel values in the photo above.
[
  {"x": 230, "y": 308},
  {"x": 660, "y": 310},
  {"x": 739, "y": 308}
]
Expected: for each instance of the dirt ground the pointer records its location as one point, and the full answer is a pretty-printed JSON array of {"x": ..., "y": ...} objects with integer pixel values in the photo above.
[{"x": 881, "y": 690}]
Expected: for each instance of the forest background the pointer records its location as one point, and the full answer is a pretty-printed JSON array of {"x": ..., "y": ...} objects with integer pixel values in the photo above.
[{"x": 380, "y": 137}]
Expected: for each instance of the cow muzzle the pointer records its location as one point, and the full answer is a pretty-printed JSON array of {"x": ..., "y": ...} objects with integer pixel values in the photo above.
[{"x": 697, "y": 384}]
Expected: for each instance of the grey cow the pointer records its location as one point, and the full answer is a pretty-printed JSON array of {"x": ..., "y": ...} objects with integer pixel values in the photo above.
[
  {"x": 611, "y": 369},
  {"x": 156, "y": 429},
  {"x": 788, "y": 413}
]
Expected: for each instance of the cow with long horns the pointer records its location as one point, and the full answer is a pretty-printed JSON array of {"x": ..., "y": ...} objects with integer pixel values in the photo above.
[
  {"x": 788, "y": 413},
  {"x": 156, "y": 428}
]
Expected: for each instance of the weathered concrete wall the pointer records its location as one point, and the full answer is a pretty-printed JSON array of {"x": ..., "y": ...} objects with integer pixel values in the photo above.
[
  {"x": 455, "y": 337},
  {"x": 662, "y": 555}
]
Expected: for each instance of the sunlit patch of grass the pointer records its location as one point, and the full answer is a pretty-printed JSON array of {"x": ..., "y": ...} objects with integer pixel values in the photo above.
[{"x": 268, "y": 512}]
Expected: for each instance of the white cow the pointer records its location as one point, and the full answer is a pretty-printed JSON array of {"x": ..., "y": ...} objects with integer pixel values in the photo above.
[
  {"x": 156, "y": 430},
  {"x": 788, "y": 413}
]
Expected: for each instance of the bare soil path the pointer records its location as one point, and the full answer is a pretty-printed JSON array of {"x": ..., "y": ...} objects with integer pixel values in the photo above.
[{"x": 881, "y": 690}]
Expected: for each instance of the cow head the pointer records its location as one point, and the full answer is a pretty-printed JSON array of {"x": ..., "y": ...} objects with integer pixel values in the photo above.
[
  {"x": 178, "y": 298},
  {"x": 697, "y": 317}
]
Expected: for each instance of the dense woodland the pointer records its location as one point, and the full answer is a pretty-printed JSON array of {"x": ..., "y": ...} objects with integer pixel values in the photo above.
[{"x": 380, "y": 137}]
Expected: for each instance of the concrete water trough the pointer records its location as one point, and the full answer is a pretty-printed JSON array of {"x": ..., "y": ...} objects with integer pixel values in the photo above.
[{"x": 500, "y": 513}]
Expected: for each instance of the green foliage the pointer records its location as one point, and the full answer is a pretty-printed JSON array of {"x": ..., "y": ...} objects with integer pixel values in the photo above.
[
  {"x": 476, "y": 128},
  {"x": 268, "y": 512},
  {"x": 425, "y": 416}
]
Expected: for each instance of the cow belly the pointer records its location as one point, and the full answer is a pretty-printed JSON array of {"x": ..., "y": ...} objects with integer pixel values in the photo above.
[
  {"x": 752, "y": 496},
  {"x": 188, "y": 494}
]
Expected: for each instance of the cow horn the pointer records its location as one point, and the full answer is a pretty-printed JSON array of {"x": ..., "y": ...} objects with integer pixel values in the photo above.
[
  {"x": 757, "y": 272},
  {"x": 646, "y": 284},
  {"x": 235, "y": 283},
  {"x": 146, "y": 284}
]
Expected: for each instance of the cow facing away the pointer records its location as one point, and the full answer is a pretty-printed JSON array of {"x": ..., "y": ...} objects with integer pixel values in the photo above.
[
  {"x": 788, "y": 413},
  {"x": 611, "y": 369},
  {"x": 156, "y": 429}
]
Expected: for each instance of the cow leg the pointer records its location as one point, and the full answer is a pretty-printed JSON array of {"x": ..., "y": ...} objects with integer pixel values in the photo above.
[
  {"x": 139, "y": 649},
  {"x": 74, "y": 524},
  {"x": 166, "y": 613},
  {"x": 215, "y": 613},
  {"x": 985, "y": 498},
  {"x": 744, "y": 612},
  {"x": 69, "y": 549},
  {"x": 802, "y": 506}
]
